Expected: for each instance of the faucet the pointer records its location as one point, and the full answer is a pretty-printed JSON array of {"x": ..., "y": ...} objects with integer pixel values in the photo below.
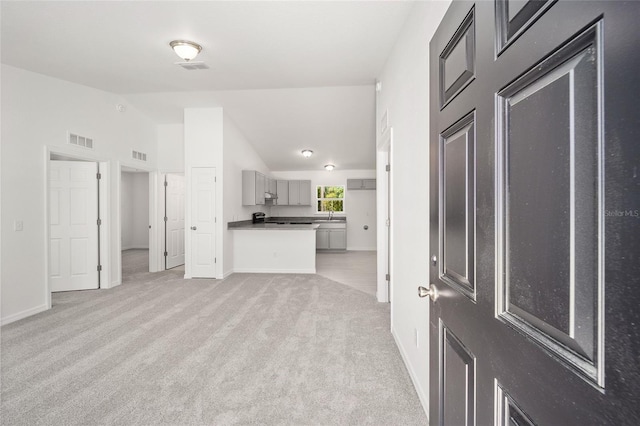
[{"x": 330, "y": 214}]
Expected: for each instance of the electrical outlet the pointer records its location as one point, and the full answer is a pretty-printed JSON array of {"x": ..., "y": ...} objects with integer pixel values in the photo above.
[{"x": 18, "y": 225}]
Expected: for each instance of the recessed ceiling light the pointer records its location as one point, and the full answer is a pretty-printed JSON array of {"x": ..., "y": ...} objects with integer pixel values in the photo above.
[
  {"x": 329, "y": 167},
  {"x": 307, "y": 153},
  {"x": 187, "y": 50}
]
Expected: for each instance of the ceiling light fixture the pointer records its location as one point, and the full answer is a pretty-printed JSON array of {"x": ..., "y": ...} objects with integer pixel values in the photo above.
[
  {"x": 306, "y": 153},
  {"x": 187, "y": 50},
  {"x": 329, "y": 167}
]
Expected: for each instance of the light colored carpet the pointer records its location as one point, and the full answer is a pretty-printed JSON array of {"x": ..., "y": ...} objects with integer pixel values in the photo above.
[{"x": 251, "y": 349}]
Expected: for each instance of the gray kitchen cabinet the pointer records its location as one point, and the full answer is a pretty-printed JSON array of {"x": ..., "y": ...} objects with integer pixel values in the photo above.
[
  {"x": 305, "y": 192},
  {"x": 299, "y": 192},
  {"x": 282, "y": 189},
  {"x": 273, "y": 188},
  {"x": 338, "y": 239},
  {"x": 322, "y": 238},
  {"x": 294, "y": 192},
  {"x": 253, "y": 188},
  {"x": 331, "y": 236},
  {"x": 360, "y": 184}
]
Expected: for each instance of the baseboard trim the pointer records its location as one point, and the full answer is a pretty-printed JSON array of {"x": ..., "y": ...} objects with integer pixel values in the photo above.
[
  {"x": 361, "y": 248},
  {"x": 226, "y": 274},
  {"x": 274, "y": 271},
  {"x": 24, "y": 314},
  {"x": 422, "y": 396},
  {"x": 135, "y": 248}
]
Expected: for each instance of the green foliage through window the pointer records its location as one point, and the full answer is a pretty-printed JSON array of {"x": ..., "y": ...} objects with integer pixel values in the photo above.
[{"x": 330, "y": 198}]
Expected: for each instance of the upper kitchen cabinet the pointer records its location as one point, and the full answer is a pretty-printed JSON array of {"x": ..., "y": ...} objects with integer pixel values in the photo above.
[
  {"x": 282, "y": 189},
  {"x": 361, "y": 184},
  {"x": 253, "y": 188},
  {"x": 299, "y": 193},
  {"x": 272, "y": 187}
]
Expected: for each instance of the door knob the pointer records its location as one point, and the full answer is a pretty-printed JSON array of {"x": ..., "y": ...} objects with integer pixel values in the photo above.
[
  {"x": 432, "y": 292},
  {"x": 193, "y": 228}
]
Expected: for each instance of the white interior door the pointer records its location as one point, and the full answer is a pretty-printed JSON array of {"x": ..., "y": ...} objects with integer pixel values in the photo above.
[
  {"x": 174, "y": 218},
  {"x": 73, "y": 227},
  {"x": 202, "y": 226}
]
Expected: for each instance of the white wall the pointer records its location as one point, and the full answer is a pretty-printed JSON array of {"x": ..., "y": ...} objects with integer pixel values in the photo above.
[
  {"x": 37, "y": 112},
  {"x": 405, "y": 94},
  {"x": 360, "y": 206},
  {"x": 171, "y": 148},
  {"x": 134, "y": 210},
  {"x": 239, "y": 155}
]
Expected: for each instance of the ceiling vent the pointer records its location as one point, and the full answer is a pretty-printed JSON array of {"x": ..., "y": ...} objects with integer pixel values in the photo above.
[
  {"x": 136, "y": 155},
  {"x": 193, "y": 65},
  {"x": 82, "y": 141}
]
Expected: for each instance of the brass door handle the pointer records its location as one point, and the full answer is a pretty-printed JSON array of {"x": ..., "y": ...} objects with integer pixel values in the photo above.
[{"x": 432, "y": 292}]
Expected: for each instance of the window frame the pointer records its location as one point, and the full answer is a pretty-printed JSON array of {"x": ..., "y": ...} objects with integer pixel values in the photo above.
[{"x": 343, "y": 199}]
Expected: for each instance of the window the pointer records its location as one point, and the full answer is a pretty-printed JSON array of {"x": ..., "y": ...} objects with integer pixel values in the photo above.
[{"x": 330, "y": 199}]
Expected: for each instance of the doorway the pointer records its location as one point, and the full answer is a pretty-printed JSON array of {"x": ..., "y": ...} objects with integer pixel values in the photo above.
[{"x": 134, "y": 222}]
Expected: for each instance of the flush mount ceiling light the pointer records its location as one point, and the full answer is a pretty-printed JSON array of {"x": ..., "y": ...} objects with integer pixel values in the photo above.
[
  {"x": 306, "y": 153},
  {"x": 187, "y": 50},
  {"x": 329, "y": 167}
]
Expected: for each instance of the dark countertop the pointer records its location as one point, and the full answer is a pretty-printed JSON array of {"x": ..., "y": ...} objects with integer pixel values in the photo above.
[{"x": 284, "y": 223}]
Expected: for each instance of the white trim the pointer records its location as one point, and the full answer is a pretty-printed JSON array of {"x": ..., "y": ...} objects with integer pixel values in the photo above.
[
  {"x": 227, "y": 274},
  {"x": 24, "y": 314},
  {"x": 135, "y": 248},
  {"x": 422, "y": 395},
  {"x": 384, "y": 201},
  {"x": 361, "y": 249},
  {"x": 115, "y": 283}
]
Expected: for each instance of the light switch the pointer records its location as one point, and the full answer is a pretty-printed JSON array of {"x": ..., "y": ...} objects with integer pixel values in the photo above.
[{"x": 17, "y": 225}]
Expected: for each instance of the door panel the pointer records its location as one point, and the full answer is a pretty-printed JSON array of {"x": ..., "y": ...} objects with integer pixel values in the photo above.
[
  {"x": 457, "y": 381},
  {"x": 73, "y": 228},
  {"x": 537, "y": 194},
  {"x": 457, "y": 186},
  {"x": 203, "y": 212},
  {"x": 174, "y": 212}
]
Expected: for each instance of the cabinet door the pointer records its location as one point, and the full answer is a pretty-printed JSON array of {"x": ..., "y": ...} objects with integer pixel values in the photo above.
[
  {"x": 305, "y": 192},
  {"x": 294, "y": 192},
  {"x": 354, "y": 183},
  {"x": 273, "y": 187},
  {"x": 322, "y": 239},
  {"x": 260, "y": 188},
  {"x": 368, "y": 184},
  {"x": 338, "y": 239},
  {"x": 282, "y": 189}
]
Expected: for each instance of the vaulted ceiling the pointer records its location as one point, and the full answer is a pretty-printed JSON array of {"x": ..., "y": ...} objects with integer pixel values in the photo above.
[{"x": 291, "y": 74}]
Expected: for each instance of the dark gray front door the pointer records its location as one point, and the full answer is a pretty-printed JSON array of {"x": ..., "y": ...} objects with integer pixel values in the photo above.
[{"x": 535, "y": 214}]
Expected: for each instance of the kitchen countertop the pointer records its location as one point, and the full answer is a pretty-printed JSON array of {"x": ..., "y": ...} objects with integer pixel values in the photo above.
[
  {"x": 273, "y": 227},
  {"x": 285, "y": 223}
]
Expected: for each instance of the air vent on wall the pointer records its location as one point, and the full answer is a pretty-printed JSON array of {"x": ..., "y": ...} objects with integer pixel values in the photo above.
[
  {"x": 193, "y": 65},
  {"x": 80, "y": 140},
  {"x": 139, "y": 155}
]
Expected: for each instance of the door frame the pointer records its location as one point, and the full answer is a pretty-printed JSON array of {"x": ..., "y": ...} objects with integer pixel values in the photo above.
[
  {"x": 384, "y": 201},
  {"x": 104, "y": 203},
  {"x": 154, "y": 244}
]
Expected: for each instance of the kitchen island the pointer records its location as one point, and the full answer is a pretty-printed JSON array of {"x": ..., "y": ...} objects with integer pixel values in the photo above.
[{"x": 274, "y": 248}]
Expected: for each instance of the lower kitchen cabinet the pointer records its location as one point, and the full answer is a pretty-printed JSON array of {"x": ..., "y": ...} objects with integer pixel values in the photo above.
[
  {"x": 322, "y": 239},
  {"x": 338, "y": 239},
  {"x": 331, "y": 236}
]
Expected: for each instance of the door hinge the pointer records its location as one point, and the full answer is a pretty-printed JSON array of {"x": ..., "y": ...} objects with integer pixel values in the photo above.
[
  {"x": 387, "y": 277},
  {"x": 215, "y": 260},
  {"x": 99, "y": 268},
  {"x": 215, "y": 179},
  {"x": 215, "y": 220},
  {"x": 166, "y": 254},
  {"x": 388, "y": 168},
  {"x": 166, "y": 218},
  {"x": 166, "y": 183},
  {"x": 98, "y": 176},
  {"x": 387, "y": 222},
  {"x": 99, "y": 221}
]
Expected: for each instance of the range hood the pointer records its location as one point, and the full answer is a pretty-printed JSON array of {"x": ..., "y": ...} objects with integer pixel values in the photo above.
[{"x": 270, "y": 196}]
